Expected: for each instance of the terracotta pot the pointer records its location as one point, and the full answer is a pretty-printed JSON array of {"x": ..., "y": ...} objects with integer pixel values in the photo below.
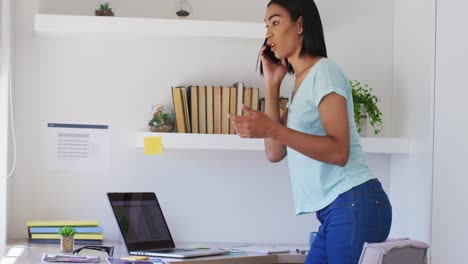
[{"x": 104, "y": 13}]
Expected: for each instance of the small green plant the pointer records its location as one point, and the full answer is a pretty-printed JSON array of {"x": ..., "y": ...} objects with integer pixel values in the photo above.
[
  {"x": 67, "y": 231},
  {"x": 104, "y": 10},
  {"x": 162, "y": 120},
  {"x": 365, "y": 104}
]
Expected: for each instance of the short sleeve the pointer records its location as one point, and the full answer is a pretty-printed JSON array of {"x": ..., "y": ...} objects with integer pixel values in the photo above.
[{"x": 329, "y": 78}]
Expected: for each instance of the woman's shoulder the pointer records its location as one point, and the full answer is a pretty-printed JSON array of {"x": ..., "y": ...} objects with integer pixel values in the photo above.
[
  {"x": 329, "y": 71},
  {"x": 328, "y": 65},
  {"x": 327, "y": 68}
]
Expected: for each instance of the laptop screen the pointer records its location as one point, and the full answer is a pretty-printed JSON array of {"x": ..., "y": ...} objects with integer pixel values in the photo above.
[{"x": 141, "y": 221}]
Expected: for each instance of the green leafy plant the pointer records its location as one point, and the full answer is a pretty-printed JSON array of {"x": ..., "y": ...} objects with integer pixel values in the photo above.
[
  {"x": 104, "y": 10},
  {"x": 67, "y": 231},
  {"x": 365, "y": 105},
  {"x": 162, "y": 120}
]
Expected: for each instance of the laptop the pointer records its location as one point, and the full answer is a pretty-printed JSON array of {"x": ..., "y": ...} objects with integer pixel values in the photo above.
[{"x": 144, "y": 229}]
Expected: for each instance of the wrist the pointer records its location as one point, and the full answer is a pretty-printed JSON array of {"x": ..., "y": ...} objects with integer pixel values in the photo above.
[
  {"x": 272, "y": 89},
  {"x": 274, "y": 129},
  {"x": 271, "y": 84}
]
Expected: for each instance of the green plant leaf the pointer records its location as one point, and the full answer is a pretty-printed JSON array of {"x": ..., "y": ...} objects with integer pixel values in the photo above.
[
  {"x": 67, "y": 231},
  {"x": 365, "y": 100},
  {"x": 104, "y": 7}
]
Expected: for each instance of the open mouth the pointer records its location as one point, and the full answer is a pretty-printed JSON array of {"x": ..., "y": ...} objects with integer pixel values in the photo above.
[{"x": 273, "y": 46}]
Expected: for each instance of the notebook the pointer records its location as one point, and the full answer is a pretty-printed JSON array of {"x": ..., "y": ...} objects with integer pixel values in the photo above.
[{"x": 145, "y": 230}]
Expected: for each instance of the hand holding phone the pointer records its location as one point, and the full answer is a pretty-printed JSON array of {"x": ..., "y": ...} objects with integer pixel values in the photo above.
[{"x": 269, "y": 54}]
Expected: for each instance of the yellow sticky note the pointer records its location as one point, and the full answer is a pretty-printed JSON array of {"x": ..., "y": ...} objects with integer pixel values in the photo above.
[{"x": 153, "y": 145}]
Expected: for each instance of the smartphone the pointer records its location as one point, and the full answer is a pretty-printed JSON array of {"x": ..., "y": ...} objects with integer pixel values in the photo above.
[{"x": 269, "y": 54}]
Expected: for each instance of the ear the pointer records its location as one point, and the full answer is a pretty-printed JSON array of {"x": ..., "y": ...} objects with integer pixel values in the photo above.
[{"x": 300, "y": 28}]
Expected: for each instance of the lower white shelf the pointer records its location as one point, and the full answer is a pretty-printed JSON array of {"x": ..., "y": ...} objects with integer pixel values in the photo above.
[{"x": 234, "y": 142}]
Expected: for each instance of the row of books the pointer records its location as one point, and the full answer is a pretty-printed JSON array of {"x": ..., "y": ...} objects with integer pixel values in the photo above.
[
  {"x": 204, "y": 109},
  {"x": 46, "y": 232}
]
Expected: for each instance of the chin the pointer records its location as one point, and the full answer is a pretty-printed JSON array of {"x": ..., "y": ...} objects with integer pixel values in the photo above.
[{"x": 279, "y": 56}]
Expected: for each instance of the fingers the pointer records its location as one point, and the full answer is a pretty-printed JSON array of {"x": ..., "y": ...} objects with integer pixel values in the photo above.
[
  {"x": 237, "y": 119},
  {"x": 240, "y": 124},
  {"x": 249, "y": 110},
  {"x": 262, "y": 57},
  {"x": 242, "y": 130},
  {"x": 264, "y": 60},
  {"x": 283, "y": 62}
]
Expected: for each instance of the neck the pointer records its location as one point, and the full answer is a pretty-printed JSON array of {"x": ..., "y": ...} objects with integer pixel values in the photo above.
[{"x": 302, "y": 64}]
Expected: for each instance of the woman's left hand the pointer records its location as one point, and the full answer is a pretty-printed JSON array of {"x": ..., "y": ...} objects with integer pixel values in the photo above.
[{"x": 253, "y": 125}]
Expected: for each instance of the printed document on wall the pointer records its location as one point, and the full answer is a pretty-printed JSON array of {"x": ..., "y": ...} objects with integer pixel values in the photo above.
[{"x": 75, "y": 147}]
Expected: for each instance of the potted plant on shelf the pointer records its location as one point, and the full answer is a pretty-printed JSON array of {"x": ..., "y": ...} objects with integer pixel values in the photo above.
[
  {"x": 365, "y": 108},
  {"x": 104, "y": 10},
  {"x": 163, "y": 119},
  {"x": 67, "y": 236}
]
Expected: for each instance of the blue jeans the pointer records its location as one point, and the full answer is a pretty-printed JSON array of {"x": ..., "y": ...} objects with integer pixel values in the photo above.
[{"x": 362, "y": 214}]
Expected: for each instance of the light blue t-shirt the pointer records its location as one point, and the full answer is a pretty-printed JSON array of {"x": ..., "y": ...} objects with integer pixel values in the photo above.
[{"x": 316, "y": 184}]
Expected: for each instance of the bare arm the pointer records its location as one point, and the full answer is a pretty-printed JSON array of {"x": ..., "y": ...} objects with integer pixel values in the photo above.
[
  {"x": 332, "y": 148},
  {"x": 274, "y": 150}
]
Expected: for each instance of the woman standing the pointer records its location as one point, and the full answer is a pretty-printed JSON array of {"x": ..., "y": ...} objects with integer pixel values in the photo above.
[{"x": 329, "y": 172}]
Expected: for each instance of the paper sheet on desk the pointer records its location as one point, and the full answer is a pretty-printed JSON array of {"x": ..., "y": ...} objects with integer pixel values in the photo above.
[
  {"x": 123, "y": 261},
  {"x": 262, "y": 249},
  {"x": 69, "y": 258}
]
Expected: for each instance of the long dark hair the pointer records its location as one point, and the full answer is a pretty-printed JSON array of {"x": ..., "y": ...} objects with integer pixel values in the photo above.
[{"x": 314, "y": 41}]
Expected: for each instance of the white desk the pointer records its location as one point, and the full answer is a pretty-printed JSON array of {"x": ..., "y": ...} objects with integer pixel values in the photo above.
[{"x": 21, "y": 252}]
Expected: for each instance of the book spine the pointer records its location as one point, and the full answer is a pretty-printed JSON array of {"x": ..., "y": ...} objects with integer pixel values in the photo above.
[
  {"x": 57, "y": 241},
  {"x": 77, "y": 236},
  {"x": 55, "y": 229},
  {"x": 61, "y": 223}
]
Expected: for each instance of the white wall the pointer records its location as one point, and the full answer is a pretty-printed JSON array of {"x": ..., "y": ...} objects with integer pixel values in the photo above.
[
  {"x": 5, "y": 21},
  {"x": 413, "y": 96},
  {"x": 226, "y": 196},
  {"x": 449, "y": 230}
]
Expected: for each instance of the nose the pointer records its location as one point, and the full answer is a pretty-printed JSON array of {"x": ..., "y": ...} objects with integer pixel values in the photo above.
[{"x": 268, "y": 33}]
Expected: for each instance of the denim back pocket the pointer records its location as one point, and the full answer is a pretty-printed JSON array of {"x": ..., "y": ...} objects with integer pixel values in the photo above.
[{"x": 384, "y": 209}]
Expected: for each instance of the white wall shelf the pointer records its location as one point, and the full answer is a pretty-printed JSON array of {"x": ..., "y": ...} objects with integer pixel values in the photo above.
[
  {"x": 48, "y": 23},
  {"x": 234, "y": 142}
]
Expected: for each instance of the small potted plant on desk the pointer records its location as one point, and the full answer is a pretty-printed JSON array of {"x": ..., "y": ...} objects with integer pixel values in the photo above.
[
  {"x": 67, "y": 237},
  {"x": 365, "y": 108}
]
